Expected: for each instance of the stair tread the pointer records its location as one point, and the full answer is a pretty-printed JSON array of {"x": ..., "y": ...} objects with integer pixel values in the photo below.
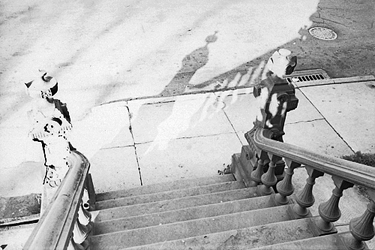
[
  {"x": 183, "y": 214},
  {"x": 165, "y": 186},
  {"x": 332, "y": 242},
  {"x": 180, "y": 230},
  {"x": 167, "y": 195},
  {"x": 174, "y": 204},
  {"x": 241, "y": 239}
]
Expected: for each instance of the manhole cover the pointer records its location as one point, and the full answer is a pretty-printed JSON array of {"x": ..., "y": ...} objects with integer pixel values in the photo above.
[{"x": 323, "y": 33}]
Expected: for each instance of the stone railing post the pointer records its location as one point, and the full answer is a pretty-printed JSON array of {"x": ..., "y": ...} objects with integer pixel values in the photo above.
[
  {"x": 362, "y": 228},
  {"x": 329, "y": 211},
  {"x": 89, "y": 196},
  {"x": 256, "y": 175},
  {"x": 285, "y": 187},
  {"x": 305, "y": 197},
  {"x": 269, "y": 179}
]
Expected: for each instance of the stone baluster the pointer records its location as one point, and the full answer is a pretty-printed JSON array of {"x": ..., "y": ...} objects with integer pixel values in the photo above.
[
  {"x": 362, "y": 228},
  {"x": 84, "y": 216},
  {"x": 269, "y": 179},
  {"x": 82, "y": 228},
  {"x": 329, "y": 211},
  {"x": 305, "y": 198},
  {"x": 74, "y": 246},
  {"x": 81, "y": 232},
  {"x": 256, "y": 175},
  {"x": 285, "y": 187},
  {"x": 86, "y": 199},
  {"x": 89, "y": 194}
]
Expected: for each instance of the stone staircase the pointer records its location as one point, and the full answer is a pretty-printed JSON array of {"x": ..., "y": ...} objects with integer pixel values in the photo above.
[
  {"x": 255, "y": 206},
  {"x": 205, "y": 213}
]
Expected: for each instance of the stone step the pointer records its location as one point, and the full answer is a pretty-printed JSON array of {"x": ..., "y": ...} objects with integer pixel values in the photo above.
[
  {"x": 241, "y": 239},
  {"x": 184, "y": 214},
  {"x": 165, "y": 186},
  {"x": 168, "y": 195},
  {"x": 181, "y": 230},
  {"x": 331, "y": 242},
  {"x": 174, "y": 204}
]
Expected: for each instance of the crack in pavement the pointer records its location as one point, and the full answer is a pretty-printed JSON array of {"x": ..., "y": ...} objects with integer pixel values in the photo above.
[{"x": 134, "y": 144}]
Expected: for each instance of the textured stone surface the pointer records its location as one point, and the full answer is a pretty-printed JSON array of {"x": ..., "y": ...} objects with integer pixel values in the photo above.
[
  {"x": 161, "y": 206},
  {"x": 165, "y": 186},
  {"x": 168, "y": 195},
  {"x": 183, "y": 214},
  {"x": 245, "y": 238},
  {"x": 186, "y": 157},
  {"x": 190, "y": 228}
]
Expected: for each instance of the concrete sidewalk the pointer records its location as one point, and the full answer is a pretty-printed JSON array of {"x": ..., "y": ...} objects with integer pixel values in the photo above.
[{"x": 195, "y": 135}]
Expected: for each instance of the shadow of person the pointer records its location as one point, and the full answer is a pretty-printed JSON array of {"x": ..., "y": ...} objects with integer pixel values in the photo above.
[{"x": 191, "y": 63}]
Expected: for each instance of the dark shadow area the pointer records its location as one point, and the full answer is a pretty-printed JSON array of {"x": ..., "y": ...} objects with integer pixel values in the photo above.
[{"x": 191, "y": 63}]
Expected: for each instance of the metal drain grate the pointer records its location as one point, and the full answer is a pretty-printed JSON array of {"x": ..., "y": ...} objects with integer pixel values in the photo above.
[{"x": 307, "y": 76}]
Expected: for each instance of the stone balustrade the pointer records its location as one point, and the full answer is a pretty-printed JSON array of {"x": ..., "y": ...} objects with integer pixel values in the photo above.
[{"x": 266, "y": 150}]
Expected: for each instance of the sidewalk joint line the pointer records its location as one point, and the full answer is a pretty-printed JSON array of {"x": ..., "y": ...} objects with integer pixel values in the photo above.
[
  {"x": 201, "y": 136},
  {"x": 134, "y": 144},
  {"x": 231, "y": 124},
  {"x": 115, "y": 147},
  {"x": 312, "y": 120},
  {"x": 172, "y": 96},
  {"x": 187, "y": 137}
]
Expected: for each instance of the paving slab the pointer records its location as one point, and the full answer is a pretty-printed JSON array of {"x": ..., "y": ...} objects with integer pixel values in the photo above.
[
  {"x": 104, "y": 127},
  {"x": 185, "y": 116},
  {"x": 26, "y": 178},
  {"x": 242, "y": 109},
  {"x": 186, "y": 158},
  {"x": 317, "y": 136},
  {"x": 113, "y": 169},
  {"x": 350, "y": 109},
  {"x": 15, "y": 237}
]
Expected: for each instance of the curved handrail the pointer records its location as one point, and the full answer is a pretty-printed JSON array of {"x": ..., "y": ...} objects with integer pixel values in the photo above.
[
  {"x": 350, "y": 171},
  {"x": 54, "y": 228}
]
